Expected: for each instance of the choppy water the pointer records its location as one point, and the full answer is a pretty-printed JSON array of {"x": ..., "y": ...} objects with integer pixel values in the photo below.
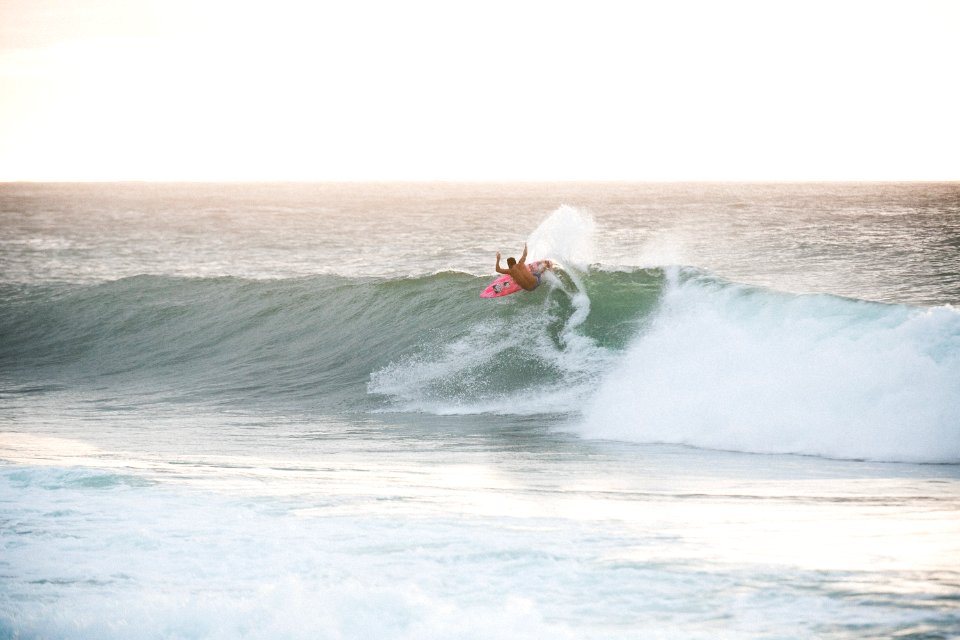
[{"x": 283, "y": 411}]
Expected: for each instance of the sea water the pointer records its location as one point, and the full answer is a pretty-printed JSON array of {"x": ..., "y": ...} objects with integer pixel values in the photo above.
[{"x": 282, "y": 411}]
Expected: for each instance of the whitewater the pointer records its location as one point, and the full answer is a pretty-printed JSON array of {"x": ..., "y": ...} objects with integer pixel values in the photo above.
[{"x": 284, "y": 411}]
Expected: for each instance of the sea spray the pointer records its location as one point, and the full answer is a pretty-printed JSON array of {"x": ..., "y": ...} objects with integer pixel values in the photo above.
[
  {"x": 566, "y": 236},
  {"x": 739, "y": 368}
]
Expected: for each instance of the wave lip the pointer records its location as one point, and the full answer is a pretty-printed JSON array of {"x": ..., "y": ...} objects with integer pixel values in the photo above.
[{"x": 730, "y": 367}]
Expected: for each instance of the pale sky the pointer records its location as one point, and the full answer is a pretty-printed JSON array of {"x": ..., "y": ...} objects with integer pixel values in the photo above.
[{"x": 446, "y": 90}]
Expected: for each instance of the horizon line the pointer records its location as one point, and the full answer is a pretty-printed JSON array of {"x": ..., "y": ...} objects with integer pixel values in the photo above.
[{"x": 493, "y": 181}]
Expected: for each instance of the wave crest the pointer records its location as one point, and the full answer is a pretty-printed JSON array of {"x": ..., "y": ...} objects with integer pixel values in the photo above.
[{"x": 745, "y": 369}]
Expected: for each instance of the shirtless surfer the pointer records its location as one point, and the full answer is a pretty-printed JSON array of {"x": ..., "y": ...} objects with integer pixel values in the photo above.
[{"x": 518, "y": 270}]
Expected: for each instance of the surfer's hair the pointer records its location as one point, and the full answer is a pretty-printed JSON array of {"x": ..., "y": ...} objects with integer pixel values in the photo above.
[{"x": 511, "y": 261}]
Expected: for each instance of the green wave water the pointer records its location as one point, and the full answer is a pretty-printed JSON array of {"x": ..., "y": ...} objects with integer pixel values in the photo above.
[
  {"x": 653, "y": 355},
  {"x": 314, "y": 340}
]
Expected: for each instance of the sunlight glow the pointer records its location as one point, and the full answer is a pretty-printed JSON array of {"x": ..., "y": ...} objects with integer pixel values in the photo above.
[{"x": 108, "y": 90}]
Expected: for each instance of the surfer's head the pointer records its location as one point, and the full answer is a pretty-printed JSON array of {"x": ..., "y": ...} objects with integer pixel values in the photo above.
[{"x": 511, "y": 262}]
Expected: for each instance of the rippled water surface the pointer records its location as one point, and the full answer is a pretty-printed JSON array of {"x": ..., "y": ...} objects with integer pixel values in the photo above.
[{"x": 282, "y": 411}]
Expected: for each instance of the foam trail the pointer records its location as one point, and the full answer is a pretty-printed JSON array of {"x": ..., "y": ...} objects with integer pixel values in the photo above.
[
  {"x": 738, "y": 368},
  {"x": 567, "y": 236},
  {"x": 496, "y": 367}
]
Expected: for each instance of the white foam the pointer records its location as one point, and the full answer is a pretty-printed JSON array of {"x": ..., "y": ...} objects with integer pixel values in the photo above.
[
  {"x": 454, "y": 378},
  {"x": 315, "y": 537},
  {"x": 750, "y": 370}
]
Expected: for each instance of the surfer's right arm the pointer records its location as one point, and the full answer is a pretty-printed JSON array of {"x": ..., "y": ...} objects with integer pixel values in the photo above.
[{"x": 499, "y": 269}]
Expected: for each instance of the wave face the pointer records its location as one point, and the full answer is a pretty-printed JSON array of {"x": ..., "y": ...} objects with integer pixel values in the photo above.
[
  {"x": 657, "y": 355},
  {"x": 315, "y": 341}
]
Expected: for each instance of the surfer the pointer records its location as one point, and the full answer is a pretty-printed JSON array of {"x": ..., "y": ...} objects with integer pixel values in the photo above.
[{"x": 517, "y": 269}]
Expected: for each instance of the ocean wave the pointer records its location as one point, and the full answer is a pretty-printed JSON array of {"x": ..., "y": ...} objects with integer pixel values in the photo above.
[{"x": 648, "y": 355}]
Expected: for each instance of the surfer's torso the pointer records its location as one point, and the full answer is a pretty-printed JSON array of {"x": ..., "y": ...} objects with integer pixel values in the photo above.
[
  {"x": 522, "y": 276},
  {"x": 525, "y": 277}
]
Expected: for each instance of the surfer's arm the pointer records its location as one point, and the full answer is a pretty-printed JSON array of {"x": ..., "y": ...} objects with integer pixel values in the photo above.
[
  {"x": 499, "y": 269},
  {"x": 523, "y": 256}
]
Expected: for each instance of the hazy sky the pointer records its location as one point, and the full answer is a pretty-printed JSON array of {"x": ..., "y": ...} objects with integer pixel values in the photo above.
[{"x": 672, "y": 90}]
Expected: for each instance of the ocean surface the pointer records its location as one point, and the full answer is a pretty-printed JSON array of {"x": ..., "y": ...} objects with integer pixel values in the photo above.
[{"x": 283, "y": 411}]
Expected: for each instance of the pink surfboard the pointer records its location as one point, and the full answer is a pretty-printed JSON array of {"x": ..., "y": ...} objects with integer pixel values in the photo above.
[{"x": 504, "y": 285}]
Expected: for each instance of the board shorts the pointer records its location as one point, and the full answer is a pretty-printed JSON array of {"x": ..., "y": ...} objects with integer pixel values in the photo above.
[{"x": 537, "y": 271}]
